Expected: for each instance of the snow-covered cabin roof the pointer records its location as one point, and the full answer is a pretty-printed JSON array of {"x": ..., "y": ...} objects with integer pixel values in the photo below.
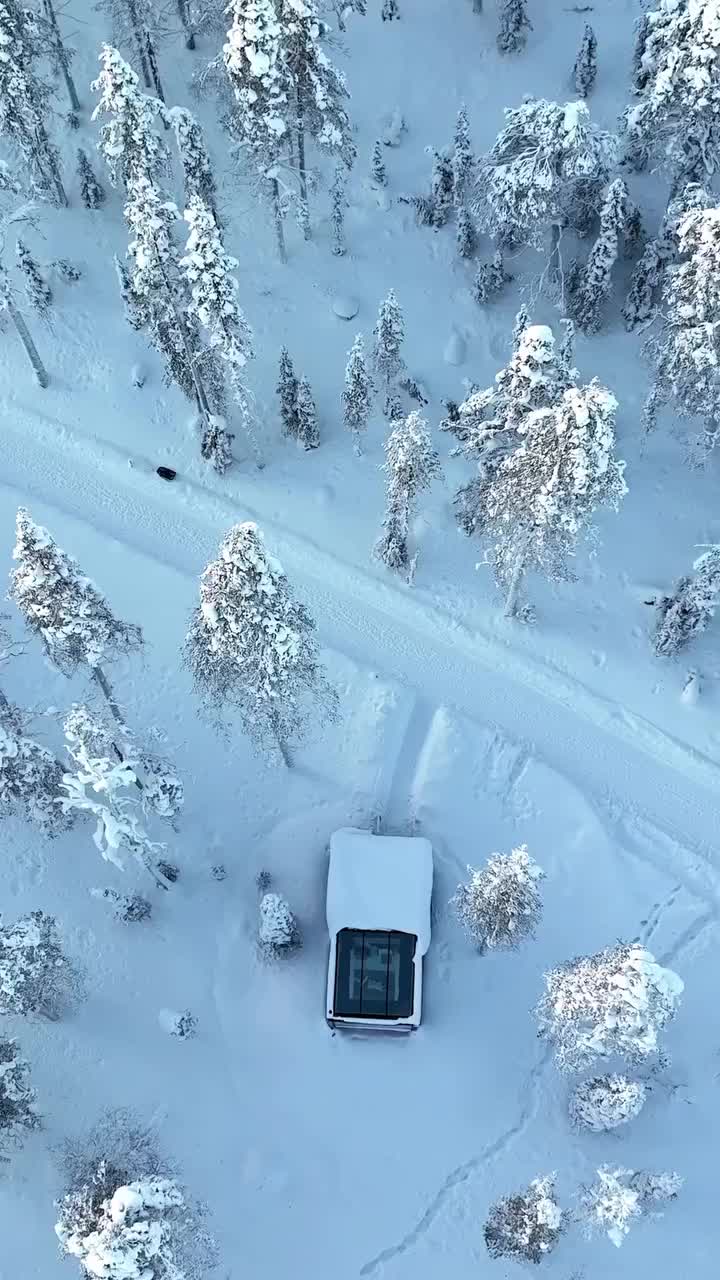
[{"x": 380, "y": 882}]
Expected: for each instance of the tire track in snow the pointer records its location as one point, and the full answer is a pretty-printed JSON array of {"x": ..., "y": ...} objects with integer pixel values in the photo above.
[
  {"x": 464, "y": 1172},
  {"x": 399, "y": 808}
]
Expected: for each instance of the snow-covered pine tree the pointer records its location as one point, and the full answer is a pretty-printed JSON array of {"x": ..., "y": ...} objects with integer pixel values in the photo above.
[
  {"x": 500, "y": 907},
  {"x": 65, "y": 609},
  {"x": 526, "y": 1226},
  {"x": 546, "y": 169},
  {"x": 378, "y": 171},
  {"x": 677, "y": 115},
  {"x": 687, "y": 612},
  {"x": 25, "y": 100},
  {"x": 442, "y": 182},
  {"x": 462, "y": 158},
  {"x": 129, "y": 142},
  {"x": 620, "y": 1197},
  {"x": 278, "y": 929},
  {"x": 390, "y": 10},
  {"x": 18, "y": 1115},
  {"x": 357, "y": 392},
  {"x": 136, "y": 22},
  {"x": 339, "y": 204},
  {"x": 465, "y": 235},
  {"x": 308, "y": 430},
  {"x": 287, "y": 389},
  {"x": 649, "y": 273},
  {"x": 251, "y": 646},
  {"x": 35, "y": 976},
  {"x": 514, "y": 26},
  {"x": 490, "y": 278},
  {"x": 91, "y": 189},
  {"x": 612, "y": 1004},
  {"x": 8, "y": 304},
  {"x": 213, "y": 288},
  {"x": 389, "y": 334},
  {"x": 411, "y": 464},
  {"x": 585, "y": 68},
  {"x": 686, "y": 351},
  {"x": 606, "y": 1102},
  {"x": 37, "y": 290},
  {"x": 194, "y": 158},
  {"x": 119, "y": 1229},
  {"x": 30, "y": 775},
  {"x": 589, "y": 286}
]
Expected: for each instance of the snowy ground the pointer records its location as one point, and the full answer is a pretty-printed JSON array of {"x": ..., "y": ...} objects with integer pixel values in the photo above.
[{"x": 317, "y": 1152}]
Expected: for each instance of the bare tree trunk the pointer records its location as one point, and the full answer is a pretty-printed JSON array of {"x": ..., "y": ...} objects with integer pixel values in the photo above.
[
  {"x": 101, "y": 679},
  {"x": 302, "y": 170},
  {"x": 187, "y": 26},
  {"x": 278, "y": 219},
  {"x": 154, "y": 72},
  {"x": 339, "y": 12},
  {"x": 477, "y": 6},
  {"x": 513, "y": 595},
  {"x": 48, "y": 164},
  {"x": 23, "y": 332},
  {"x": 139, "y": 34},
  {"x": 61, "y": 54}
]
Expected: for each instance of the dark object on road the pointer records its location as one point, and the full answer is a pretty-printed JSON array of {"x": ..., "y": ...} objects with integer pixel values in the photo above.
[{"x": 166, "y": 473}]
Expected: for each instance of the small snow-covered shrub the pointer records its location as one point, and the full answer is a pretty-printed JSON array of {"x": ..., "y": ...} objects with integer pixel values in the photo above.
[
  {"x": 182, "y": 1025},
  {"x": 527, "y": 1225},
  {"x": 35, "y": 977},
  {"x": 501, "y": 906},
  {"x": 278, "y": 927},
  {"x": 131, "y": 908},
  {"x": 17, "y": 1097},
  {"x": 619, "y": 1197},
  {"x": 687, "y": 612},
  {"x": 606, "y": 1102}
]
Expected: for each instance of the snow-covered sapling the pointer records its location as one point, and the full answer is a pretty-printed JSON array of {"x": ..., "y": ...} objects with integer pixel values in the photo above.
[
  {"x": 585, "y": 69},
  {"x": 526, "y": 1226},
  {"x": 500, "y": 906},
  {"x": 514, "y": 26},
  {"x": 30, "y": 775},
  {"x": 490, "y": 278},
  {"x": 344, "y": 7},
  {"x": 18, "y": 1116},
  {"x": 378, "y": 172},
  {"x": 35, "y": 976},
  {"x": 251, "y": 646},
  {"x": 181, "y": 1025},
  {"x": 287, "y": 389},
  {"x": 37, "y": 289},
  {"x": 129, "y": 142},
  {"x": 465, "y": 234},
  {"x": 619, "y": 1197},
  {"x": 130, "y": 908},
  {"x": 338, "y": 196},
  {"x": 357, "y": 392},
  {"x": 278, "y": 929},
  {"x": 390, "y": 10},
  {"x": 462, "y": 158},
  {"x": 590, "y": 285},
  {"x": 389, "y": 334},
  {"x": 411, "y": 464},
  {"x": 308, "y": 430},
  {"x": 612, "y": 1004},
  {"x": 606, "y": 1102},
  {"x": 687, "y": 612},
  {"x": 442, "y": 184}
]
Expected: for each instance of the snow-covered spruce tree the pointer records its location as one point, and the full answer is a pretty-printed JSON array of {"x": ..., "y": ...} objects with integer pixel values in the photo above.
[
  {"x": 287, "y": 389},
  {"x": 462, "y": 158},
  {"x": 677, "y": 115},
  {"x": 37, "y": 290},
  {"x": 25, "y": 101},
  {"x": 411, "y": 465},
  {"x": 30, "y": 775},
  {"x": 378, "y": 172},
  {"x": 213, "y": 288},
  {"x": 514, "y": 26},
  {"x": 61, "y": 56},
  {"x": 390, "y": 10},
  {"x": 490, "y": 279},
  {"x": 18, "y": 1116},
  {"x": 545, "y": 169},
  {"x": 606, "y": 1102},
  {"x": 130, "y": 908},
  {"x": 278, "y": 929},
  {"x": 686, "y": 351},
  {"x": 687, "y": 612},
  {"x": 500, "y": 906},
  {"x": 136, "y": 22},
  {"x": 442, "y": 182},
  {"x": 585, "y": 68},
  {"x": 659, "y": 254},
  {"x": 308, "y": 430},
  {"x": 389, "y": 335},
  {"x": 620, "y": 1197},
  {"x": 589, "y": 286},
  {"x": 465, "y": 235},
  {"x": 526, "y": 1226},
  {"x": 612, "y": 1004},
  {"x": 357, "y": 392},
  {"x": 35, "y": 976},
  {"x": 338, "y": 206},
  {"x": 194, "y": 159},
  {"x": 92, "y": 191},
  {"x": 129, "y": 142},
  {"x": 251, "y": 646},
  {"x": 65, "y": 609}
]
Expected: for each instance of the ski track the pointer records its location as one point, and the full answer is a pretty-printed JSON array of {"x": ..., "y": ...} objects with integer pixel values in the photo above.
[{"x": 464, "y": 1172}]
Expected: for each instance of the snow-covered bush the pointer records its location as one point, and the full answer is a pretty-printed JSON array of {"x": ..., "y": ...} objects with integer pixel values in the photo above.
[
  {"x": 500, "y": 906},
  {"x": 620, "y": 1197},
  {"x": 606, "y": 1102},
  {"x": 181, "y": 1025},
  {"x": 308, "y": 430},
  {"x": 92, "y": 191},
  {"x": 17, "y": 1097},
  {"x": 378, "y": 172},
  {"x": 614, "y": 1003},
  {"x": 287, "y": 389},
  {"x": 251, "y": 646},
  {"x": 585, "y": 68},
  {"x": 490, "y": 278},
  {"x": 411, "y": 465},
  {"x": 35, "y": 976},
  {"x": 465, "y": 234},
  {"x": 278, "y": 928},
  {"x": 30, "y": 775},
  {"x": 131, "y": 908},
  {"x": 526, "y": 1226},
  {"x": 514, "y": 25},
  {"x": 687, "y": 612},
  {"x": 37, "y": 290}
]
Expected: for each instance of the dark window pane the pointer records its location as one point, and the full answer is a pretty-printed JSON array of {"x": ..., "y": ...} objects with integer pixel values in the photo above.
[
  {"x": 402, "y": 975},
  {"x": 374, "y": 974}
]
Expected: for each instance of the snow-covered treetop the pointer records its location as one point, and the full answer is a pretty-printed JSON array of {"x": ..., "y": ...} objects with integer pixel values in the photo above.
[
  {"x": 411, "y": 462},
  {"x": 30, "y": 776},
  {"x": 320, "y": 86},
  {"x": 129, "y": 142},
  {"x": 128, "y": 1236},
  {"x": 61, "y": 605},
  {"x": 620, "y": 1197},
  {"x": 214, "y": 290},
  {"x": 532, "y": 173},
  {"x": 251, "y": 56},
  {"x": 32, "y": 968}
]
